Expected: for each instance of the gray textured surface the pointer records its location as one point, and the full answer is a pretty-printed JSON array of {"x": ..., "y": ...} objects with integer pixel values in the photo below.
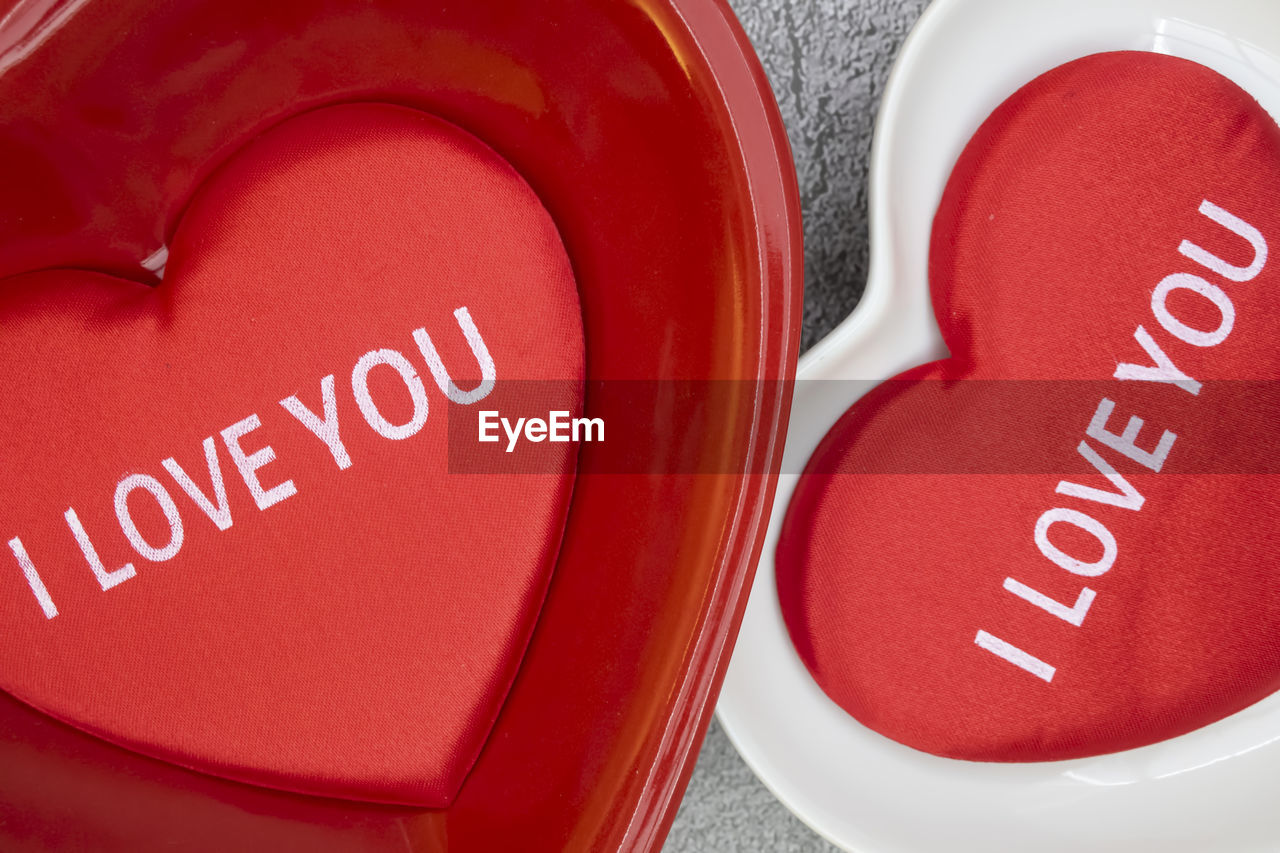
[{"x": 828, "y": 61}]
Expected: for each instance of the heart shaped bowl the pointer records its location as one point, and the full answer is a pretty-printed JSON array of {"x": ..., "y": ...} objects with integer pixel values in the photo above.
[
  {"x": 649, "y": 132},
  {"x": 1212, "y": 789}
]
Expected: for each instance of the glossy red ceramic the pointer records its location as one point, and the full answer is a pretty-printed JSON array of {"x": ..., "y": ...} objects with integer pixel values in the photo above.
[{"x": 648, "y": 130}]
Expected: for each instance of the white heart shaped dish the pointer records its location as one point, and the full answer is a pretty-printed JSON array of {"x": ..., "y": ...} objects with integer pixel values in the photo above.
[{"x": 1214, "y": 788}]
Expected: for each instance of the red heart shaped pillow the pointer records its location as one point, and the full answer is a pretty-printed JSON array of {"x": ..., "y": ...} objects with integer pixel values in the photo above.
[
  {"x": 1060, "y": 541},
  {"x": 234, "y": 541}
]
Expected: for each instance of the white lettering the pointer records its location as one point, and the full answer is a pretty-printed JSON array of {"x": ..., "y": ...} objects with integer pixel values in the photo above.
[
  {"x": 1126, "y": 442},
  {"x": 1180, "y": 330},
  {"x": 559, "y": 425},
  {"x": 1242, "y": 229},
  {"x": 488, "y": 373},
  {"x": 1085, "y": 523},
  {"x": 326, "y": 428},
  {"x": 215, "y": 504},
  {"x": 513, "y": 434},
  {"x": 590, "y": 427},
  {"x": 1074, "y": 615},
  {"x": 106, "y": 579},
  {"x": 152, "y": 486},
  {"x": 33, "y": 578},
  {"x": 248, "y": 465},
  {"x": 1015, "y": 656},
  {"x": 360, "y": 385},
  {"x": 559, "y": 428},
  {"x": 220, "y": 513},
  {"x": 1126, "y": 496},
  {"x": 488, "y": 422},
  {"x": 1162, "y": 371}
]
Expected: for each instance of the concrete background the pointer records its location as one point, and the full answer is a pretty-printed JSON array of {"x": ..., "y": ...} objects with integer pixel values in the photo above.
[{"x": 828, "y": 61}]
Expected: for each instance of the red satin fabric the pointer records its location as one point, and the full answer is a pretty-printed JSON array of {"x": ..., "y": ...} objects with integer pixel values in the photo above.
[
  {"x": 1139, "y": 616},
  {"x": 357, "y": 635}
]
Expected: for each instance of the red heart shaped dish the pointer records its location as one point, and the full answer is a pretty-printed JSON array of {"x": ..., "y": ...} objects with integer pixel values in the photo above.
[
  {"x": 248, "y": 542},
  {"x": 264, "y": 270},
  {"x": 1058, "y": 542}
]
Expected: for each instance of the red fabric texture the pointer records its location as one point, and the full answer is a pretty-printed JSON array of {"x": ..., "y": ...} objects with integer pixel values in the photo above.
[
  {"x": 352, "y": 634},
  {"x": 1148, "y": 605}
]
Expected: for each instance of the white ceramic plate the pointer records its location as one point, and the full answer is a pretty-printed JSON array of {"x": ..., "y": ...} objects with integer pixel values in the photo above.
[{"x": 1216, "y": 789}]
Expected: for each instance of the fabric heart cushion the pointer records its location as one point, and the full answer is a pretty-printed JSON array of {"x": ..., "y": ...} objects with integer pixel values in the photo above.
[
  {"x": 1061, "y": 540},
  {"x": 234, "y": 541}
]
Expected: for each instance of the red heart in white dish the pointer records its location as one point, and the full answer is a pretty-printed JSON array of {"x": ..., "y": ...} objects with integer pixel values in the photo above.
[
  {"x": 337, "y": 614},
  {"x": 1061, "y": 541}
]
